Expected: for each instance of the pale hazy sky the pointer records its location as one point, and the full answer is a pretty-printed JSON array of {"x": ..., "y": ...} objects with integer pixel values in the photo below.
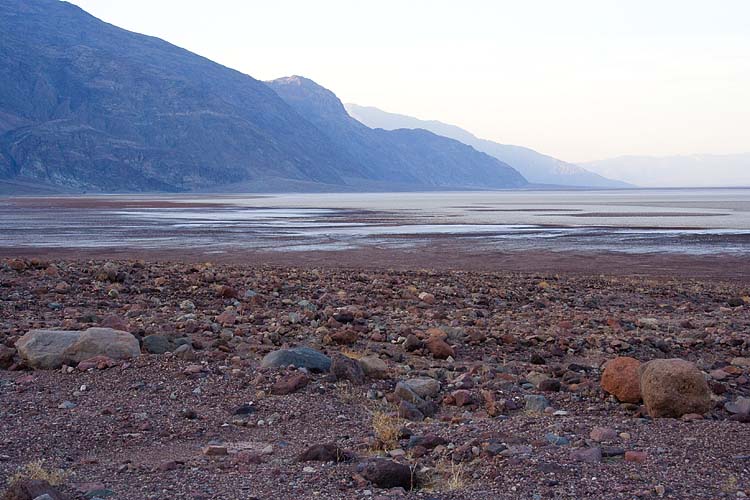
[{"x": 578, "y": 79}]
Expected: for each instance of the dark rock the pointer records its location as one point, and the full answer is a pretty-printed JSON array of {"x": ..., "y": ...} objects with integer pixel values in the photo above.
[
  {"x": 189, "y": 414},
  {"x": 157, "y": 344},
  {"x": 736, "y": 302},
  {"x": 245, "y": 409},
  {"x": 612, "y": 451},
  {"x": 7, "y": 354},
  {"x": 409, "y": 411},
  {"x": 536, "y": 403},
  {"x": 345, "y": 368},
  {"x": 553, "y": 438},
  {"x": 344, "y": 317},
  {"x": 300, "y": 357},
  {"x": 549, "y": 385},
  {"x": 537, "y": 359},
  {"x": 412, "y": 343},
  {"x": 588, "y": 455},
  {"x": 495, "y": 448},
  {"x": 290, "y": 383},
  {"x": 325, "y": 453},
  {"x": 428, "y": 441},
  {"x": 384, "y": 473}
]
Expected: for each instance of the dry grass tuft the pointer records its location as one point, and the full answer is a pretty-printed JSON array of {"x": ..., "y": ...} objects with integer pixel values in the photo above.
[
  {"x": 446, "y": 476},
  {"x": 348, "y": 392},
  {"x": 387, "y": 429},
  {"x": 35, "y": 471},
  {"x": 352, "y": 354}
]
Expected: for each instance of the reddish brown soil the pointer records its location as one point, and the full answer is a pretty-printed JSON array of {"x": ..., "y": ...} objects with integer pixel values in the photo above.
[{"x": 132, "y": 431}]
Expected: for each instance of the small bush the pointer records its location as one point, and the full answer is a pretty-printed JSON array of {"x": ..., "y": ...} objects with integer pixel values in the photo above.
[
  {"x": 387, "y": 429},
  {"x": 35, "y": 471}
]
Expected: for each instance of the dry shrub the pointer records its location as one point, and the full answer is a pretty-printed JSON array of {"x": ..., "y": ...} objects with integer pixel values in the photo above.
[
  {"x": 446, "y": 476},
  {"x": 387, "y": 429},
  {"x": 35, "y": 471},
  {"x": 352, "y": 354}
]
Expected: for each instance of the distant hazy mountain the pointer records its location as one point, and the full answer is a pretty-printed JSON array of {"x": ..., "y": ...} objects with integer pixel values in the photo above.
[
  {"x": 536, "y": 167},
  {"x": 678, "y": 171},
  {"x": 85, "y": 105},
  {"x": 405, "y": 156}
]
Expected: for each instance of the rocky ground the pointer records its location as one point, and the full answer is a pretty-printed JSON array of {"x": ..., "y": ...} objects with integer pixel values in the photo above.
[{"x": 471, "y": 385}]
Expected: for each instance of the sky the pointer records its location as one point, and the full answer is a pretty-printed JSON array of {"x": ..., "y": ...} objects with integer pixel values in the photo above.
[{"x": 577, "y": 79}]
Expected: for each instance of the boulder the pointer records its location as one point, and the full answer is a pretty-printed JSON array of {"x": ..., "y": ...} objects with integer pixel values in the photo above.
[
  {"x": 424, "y": 387},
  {"x": 740, "y": 407},
  {"x": 603, "y": 434},
  {"x": 290, "y": 383},
  {"x": 157, "y": 344},
  {"x": 325, "y": 453},
  {"x": 345, "y": 368},
  {"x": 536, "y": 403},
  {"x": 409, "y": 411},
  {"x": 412, "y": 343},
  {"x": 6, "y": 356},
  {"x": 374, "y": 367},
  {"x": 673, "y": 388},
  {"x": 301, "y": 357},
  {"x": 185, "y": 352},
  {"x": 50, "y": 349},
  {"x": 384, "y": 473},
  {"x": 621, "y": 379},
  {"x": 404, "y": 392},
  {"x": 439, "y": 348}
]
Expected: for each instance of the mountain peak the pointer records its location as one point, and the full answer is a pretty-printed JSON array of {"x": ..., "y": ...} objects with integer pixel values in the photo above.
[{"x": 312, "y": 100}]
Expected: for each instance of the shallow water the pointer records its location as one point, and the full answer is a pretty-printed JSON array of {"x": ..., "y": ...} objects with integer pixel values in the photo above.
[{"x": 634, "y": 221}]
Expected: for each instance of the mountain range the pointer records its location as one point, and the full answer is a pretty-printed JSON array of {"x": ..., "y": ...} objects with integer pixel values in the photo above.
[
  {"x": 535, "y": 167},
  {"x": 690, "y": 170},
  {"x": 87, "y": 106},
  {"x": 406, "y": 156}
]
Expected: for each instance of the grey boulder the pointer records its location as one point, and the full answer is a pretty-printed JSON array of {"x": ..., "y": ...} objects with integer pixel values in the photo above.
[
  {"x": 300, "y": 357},
  {"x": 50, "y": 349}
]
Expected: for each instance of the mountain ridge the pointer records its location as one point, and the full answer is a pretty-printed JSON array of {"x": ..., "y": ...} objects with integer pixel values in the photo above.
[
  {"x": 534, "y": 166},
  {"x": 88, "y": 106},
  {"x": 402, "y": 155}
]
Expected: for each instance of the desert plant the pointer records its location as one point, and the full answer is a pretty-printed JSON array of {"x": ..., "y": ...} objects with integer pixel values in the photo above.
[
  {"x": 446, "y": 476},
  {"x": 35, "y": 471},
  {"x": 387, "y": 429}
]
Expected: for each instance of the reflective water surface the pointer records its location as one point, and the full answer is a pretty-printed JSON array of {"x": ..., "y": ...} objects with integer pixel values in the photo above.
[{"x": 689, "y": 221}]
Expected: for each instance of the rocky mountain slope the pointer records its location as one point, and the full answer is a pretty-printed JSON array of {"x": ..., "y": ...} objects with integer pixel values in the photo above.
[
  {"x": 534, "y": 166},
  {"x": 87, "y": 106},
  {"x": 407, "y": 156}
]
